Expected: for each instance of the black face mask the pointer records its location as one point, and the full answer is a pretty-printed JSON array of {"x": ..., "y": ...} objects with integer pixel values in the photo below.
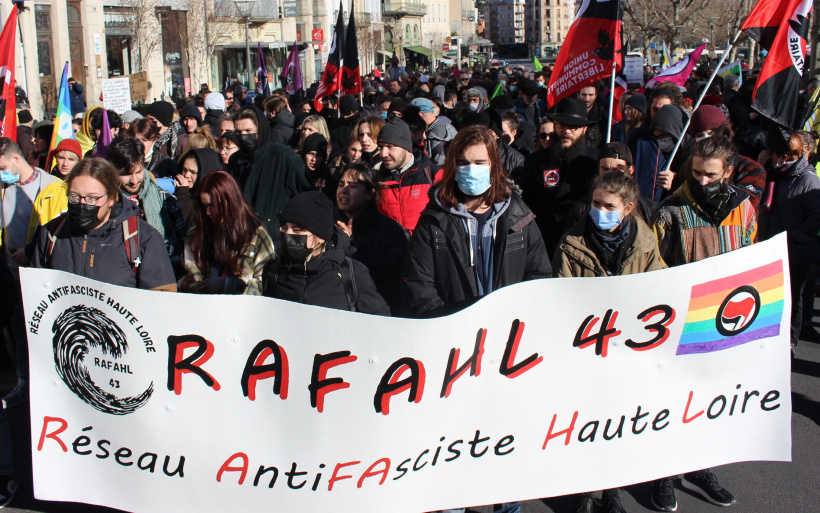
[
  {"x": 295, "y": 247},
  {"x": 371, "y": 99},
  {"x": 248, "y": 142},
  {"x": 711, "y": 196},
  {"x": 83, "y": 218}
]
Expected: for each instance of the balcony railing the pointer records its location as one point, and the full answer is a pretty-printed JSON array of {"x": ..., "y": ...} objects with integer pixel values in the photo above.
[{"x": 404, "y": 9}]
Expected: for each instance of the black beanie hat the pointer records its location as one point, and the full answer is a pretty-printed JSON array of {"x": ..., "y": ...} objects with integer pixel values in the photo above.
[
  {"x": 314, "y": 142},
  {"x": 163, "y": 111},
  {"x": 637, "y": 102},
  {"x": 312, "y": 211},
  {"x": 24, "y": 116},
  {"x": 299, "y": 118},
  {"x": 348, "y": 105},
  {"x": 528, "y": 87},
  {"x": 188, "y": 111},
  {"x": 397, "y": 133},
  {"x": 502, "y": 102}
]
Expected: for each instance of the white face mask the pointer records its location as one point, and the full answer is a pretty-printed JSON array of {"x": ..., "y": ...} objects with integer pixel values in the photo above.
[{"x": 149, "y": 154}]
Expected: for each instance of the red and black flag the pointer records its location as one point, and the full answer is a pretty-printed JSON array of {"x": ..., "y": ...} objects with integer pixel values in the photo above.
[
  {"x": 351, "y": 75},
  {"x": 8, "y": 98},
  {"x": 776, "y": 93},
  {"x": 584, "y": 60},
  {"x": 332, "y": 78}
]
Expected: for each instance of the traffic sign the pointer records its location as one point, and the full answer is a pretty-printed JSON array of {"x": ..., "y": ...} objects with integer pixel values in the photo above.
[
  {"x": 445, "y": 46},
  {"x": 712, "y": 51},
  {"x": 448, "y": 39}
]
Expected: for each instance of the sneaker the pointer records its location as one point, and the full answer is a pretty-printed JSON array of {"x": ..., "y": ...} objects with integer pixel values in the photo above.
[
  {"x": 8, "y": 487},
  {"x": 705, "y": 484},
  {"x": 16, "y": 397},
  {"x": 613, "y": 505},
  {"x": 585, "y": 504},
  {"x": 663, "y": 495}
]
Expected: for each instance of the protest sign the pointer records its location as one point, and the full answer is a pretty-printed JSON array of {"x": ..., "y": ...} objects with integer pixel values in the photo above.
[
  {"x": 139, "y": 86},
  {"x": 116, "y": 94},
  {"x": 633, "y": 70},
  {"x": 157, "y": 402}
]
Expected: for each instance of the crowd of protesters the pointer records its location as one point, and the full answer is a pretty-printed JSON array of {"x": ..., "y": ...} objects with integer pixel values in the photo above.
[{"x": 428, "y": 193}]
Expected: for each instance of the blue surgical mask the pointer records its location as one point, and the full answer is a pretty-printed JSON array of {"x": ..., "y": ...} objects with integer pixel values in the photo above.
[
  {"x": 384, "y": 115},
  {"x": 540, "y": 84},
  {"x": 513, "y": 89},
  {"x": 605, "y": 219},
  {"x": 381, "y": 89},
  {"x": 473, "y": 179},
  {"x": 7, "y": 177}
]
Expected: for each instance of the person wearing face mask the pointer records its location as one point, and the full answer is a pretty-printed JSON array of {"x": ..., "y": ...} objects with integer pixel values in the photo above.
[
  {"x": 704, "y": 217},
  {"x": 748, "y": 174},
  {"x": 228, "y": 248},
  {"x": 440, "y": 130},
  {"x": 473, "y": 101},
  {"x": 652, "y": 149},
  {"x": 312, "y": 266},
  {"x": 314, "y": 155},
  {"x": 88, "y": 239},
  {"x": 29, "y": 198},
  {"x": 791, "y": 204},
  {"x": 475, "y": 236},
  {"x": 609, "y": 241},
  {"x": 371, "y": 106},
  {"x": 269, "y": 173}
]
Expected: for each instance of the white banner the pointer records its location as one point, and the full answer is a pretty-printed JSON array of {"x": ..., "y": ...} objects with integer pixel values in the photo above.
[
  {"x": 156, "y": 402},
  {"x": 633, "y": 70},
  {"x": 117, "y": 94}
]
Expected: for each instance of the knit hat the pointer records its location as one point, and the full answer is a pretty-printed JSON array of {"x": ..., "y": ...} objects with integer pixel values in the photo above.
[
  {"x": 397, "y": 105},
  {"x": 314, "y": 142},
  {"x": 163, "y": 111},
  {"x": 619, "y": 151},
  {"x": 69, "y": 145},
  {"x": 24, "y": 116},
  {"x": 425, "y": 106},
  {"x": 130, "y": 116},
  {"x": 299, "y": 118},
  {"x": 637, "y": 102},
  {"x": 215, "y": 101},
  {"x": 706, "y": 117},
  {"x": 348, "y": 105},
  {"x": 312, "y": 211},
  {"x": 190, "y": 111},
  {"x": 397, "y": 133},
  {"x": 528, "y": 87}
]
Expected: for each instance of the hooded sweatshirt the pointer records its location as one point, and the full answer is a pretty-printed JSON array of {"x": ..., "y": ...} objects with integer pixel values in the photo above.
[
  {"x": 650, "y": 160},
  {"x": 207, "y": 160}
]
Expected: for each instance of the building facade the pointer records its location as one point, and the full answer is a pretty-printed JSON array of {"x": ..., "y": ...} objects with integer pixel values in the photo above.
[
  {"x": 547, "y": 24},
  {"x": 504, "y": 23}
]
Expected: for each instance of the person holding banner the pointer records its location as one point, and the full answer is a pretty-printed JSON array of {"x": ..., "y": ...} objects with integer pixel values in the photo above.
[
  {"x": 89, "y": 241},
  {"x": 228, "y": 248},
  {"x": 490, "y": 238},
  {"x": 704, "y": 217}
]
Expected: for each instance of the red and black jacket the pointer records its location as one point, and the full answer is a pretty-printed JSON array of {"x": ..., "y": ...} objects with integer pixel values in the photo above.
[{"x": 403, "y": 197}]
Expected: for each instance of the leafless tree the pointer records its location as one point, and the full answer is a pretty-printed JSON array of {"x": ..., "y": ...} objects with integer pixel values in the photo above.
[
  {"x": 141, "y": 16},
  {"x": 209, "y": 23}
]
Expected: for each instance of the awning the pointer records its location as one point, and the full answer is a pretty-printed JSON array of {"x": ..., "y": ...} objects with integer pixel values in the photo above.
[
  {"x": 424, "y": 51},
  {"x": 386, "y": 54}
]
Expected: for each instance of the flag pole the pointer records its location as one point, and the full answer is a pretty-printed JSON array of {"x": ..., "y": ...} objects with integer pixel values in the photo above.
[
  {"x": 700, "y": 99},
  {"x": 611, "y": 102}
]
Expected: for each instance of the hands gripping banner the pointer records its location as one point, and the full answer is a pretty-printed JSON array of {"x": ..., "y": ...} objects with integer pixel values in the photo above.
[{"x": 541, "y": 389}]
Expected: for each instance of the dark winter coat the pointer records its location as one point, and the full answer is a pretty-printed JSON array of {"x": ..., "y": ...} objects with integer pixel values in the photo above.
[
  {"x": 281, "y": 127},
  {"x": 439, "y": 275},
  {"x": 207, "y": 160},
  {"x": 381, "y": 245},
  {"x": 795, "y": 209},
  {"x": 319, "y": 282},
  {"x": 276, "y": 175},
  {"x": 75, "y": 93},
  {"x": 101, "y": 254}
]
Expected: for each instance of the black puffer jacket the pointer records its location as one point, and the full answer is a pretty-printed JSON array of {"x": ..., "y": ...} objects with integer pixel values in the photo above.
[
  {"x": 438, "y": 276},
  {"x": 319, "y": 282},
  {"x": 281, "y": 127}
]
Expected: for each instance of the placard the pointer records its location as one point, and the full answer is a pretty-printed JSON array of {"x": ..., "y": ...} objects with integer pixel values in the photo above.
[
  {"x": 633, "y": 70},
  {"x": 116, "y": 94},
  {"x": 139, "y": 86}
]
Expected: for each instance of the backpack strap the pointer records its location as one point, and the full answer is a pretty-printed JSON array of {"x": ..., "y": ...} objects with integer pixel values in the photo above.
[
  {"x": 51, "y": 236},
  {"x": 349, "y": 282},
  {"x": 130, "y": 236}
]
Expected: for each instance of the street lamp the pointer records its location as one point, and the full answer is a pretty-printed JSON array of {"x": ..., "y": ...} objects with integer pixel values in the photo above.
[
  {"x": 432, "y": 56},
  {"x": 245, "y": 8},
  {"x": 401, "y": 50}
]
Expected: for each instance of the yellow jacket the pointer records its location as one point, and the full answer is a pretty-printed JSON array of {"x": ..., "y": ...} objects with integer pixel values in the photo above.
[{"x": 49, "y": 203}]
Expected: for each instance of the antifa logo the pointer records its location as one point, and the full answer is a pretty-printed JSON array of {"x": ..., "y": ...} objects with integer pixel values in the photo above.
[
  {"x": 74, "y": 330},
  {"x": 349, "y": 81},
  {"x": 738, "y": 311}
]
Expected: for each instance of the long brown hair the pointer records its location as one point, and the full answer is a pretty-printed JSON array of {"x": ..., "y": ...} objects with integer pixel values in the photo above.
[
  {"x": 223, "y": 240},
  {"x": 449, "y": 193}
]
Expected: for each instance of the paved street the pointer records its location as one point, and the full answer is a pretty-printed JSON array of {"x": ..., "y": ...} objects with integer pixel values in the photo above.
[{"x": 760, "y": 487}]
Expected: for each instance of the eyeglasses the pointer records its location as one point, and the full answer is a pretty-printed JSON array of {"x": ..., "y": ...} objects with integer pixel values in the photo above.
[{"x": 75, "y": 198}]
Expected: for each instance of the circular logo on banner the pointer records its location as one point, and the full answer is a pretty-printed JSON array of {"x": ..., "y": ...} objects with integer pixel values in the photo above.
[
  {"x": 738, "y": 311},
  {"x": 81, "y": 331}
]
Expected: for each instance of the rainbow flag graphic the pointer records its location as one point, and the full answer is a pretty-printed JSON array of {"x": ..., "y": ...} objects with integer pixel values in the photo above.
[{"x": 734, "y": 310}]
